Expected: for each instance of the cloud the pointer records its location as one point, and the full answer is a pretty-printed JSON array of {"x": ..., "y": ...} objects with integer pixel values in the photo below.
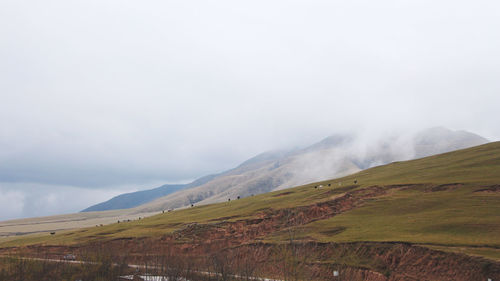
[
  {"x": 97, "y": 94},
  {"x": 11, "y": 204},
  {"x": 20, "y": 200}
]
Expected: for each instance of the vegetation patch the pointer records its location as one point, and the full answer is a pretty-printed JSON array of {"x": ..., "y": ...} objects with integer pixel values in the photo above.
[
  {"x": 334, "y": 231},
  {"x": 444, "y": 187},
  {"x": 282, "y": 194},
  {"x": 490, "y": 189}
]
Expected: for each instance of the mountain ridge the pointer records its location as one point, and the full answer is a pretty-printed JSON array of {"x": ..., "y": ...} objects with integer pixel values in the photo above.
[
  {"x": 334, "y": 156},
  {"x": 134, "y": 199}
]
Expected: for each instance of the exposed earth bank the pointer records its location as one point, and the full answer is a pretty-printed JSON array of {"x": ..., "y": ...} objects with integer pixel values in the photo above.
[
  {"x": 307, "y": 260},
  {"x": 232, "y": 245}
]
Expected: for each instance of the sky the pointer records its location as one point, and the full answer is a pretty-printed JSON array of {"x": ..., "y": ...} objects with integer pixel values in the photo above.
[{"x": 100, "y": 97}]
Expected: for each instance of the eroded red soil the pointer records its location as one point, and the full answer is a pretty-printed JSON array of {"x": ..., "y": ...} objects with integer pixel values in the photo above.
[{"x": 241, "y": 240}]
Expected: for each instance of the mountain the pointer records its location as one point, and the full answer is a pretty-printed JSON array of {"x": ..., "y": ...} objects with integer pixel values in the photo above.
[
  {"x": 432, "y": 218},
  {"x": 334, "y": 156},
  {"x": 440, "y": 140},
  {"x": 133, "y": 199},
  {"x": 421, "y": 144}
]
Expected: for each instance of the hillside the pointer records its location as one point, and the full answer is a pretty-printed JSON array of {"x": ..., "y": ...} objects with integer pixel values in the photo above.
[
  {"x": 413, "y": 219},
  {"x": 471, "y": 174},
  {"x": 334, "y": 156},
  {"x": 133, "y": 199}
]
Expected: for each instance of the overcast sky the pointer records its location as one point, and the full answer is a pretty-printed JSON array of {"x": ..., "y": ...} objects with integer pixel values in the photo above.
[{"x": 105, "y": 96}]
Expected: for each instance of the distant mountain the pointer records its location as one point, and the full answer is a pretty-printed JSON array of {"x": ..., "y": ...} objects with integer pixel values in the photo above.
[
  {"x": 440, "y": 140},
  {"x": 133, "y": 199},
  {"x": 334, "y": 156}
]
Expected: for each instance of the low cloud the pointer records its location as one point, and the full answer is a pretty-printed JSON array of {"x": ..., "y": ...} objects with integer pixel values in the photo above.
[
  {"x": 21, "y": 200},
  {"x": 11, "y": 204},
  {"x": 100, "y": 94}
]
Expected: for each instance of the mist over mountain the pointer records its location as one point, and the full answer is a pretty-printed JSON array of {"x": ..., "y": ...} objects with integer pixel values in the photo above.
[
  {"x": 439, "y": 140},
  {"x": 334, "y": 156}
]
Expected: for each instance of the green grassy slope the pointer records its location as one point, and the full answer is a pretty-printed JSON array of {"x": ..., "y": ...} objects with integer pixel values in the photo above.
[
  {"x": 455, "y": 217},
  {"x": 480, "y": 164},
  {"x": 458, "y": 217}
]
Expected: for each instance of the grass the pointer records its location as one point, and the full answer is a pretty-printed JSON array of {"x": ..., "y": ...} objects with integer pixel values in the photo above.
[
  {"x": 458, "y": 218},
  {"x": 171, "y": 221},
  {"x": 478, "y": 165},
  {"x": 491, "y": 253}
]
